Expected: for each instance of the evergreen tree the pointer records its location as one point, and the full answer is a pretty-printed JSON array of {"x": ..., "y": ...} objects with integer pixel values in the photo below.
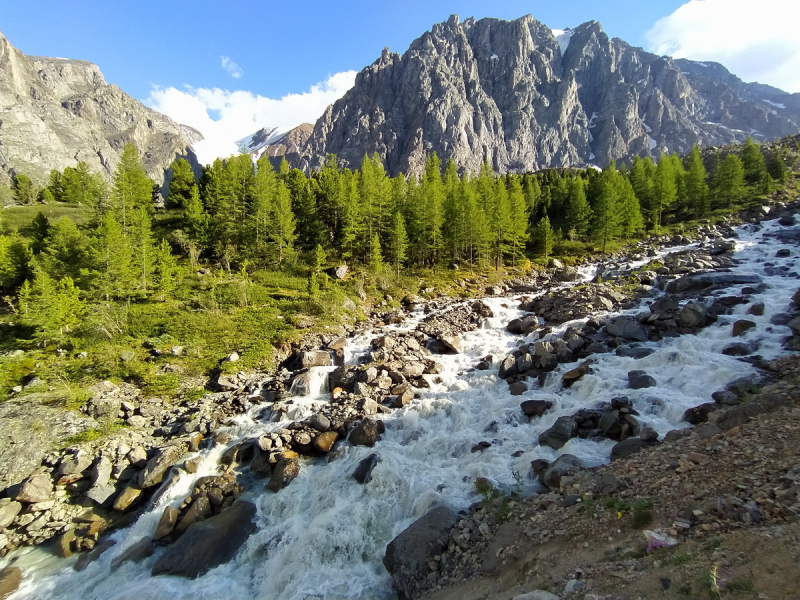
[
  {"x": 132, "y": 188},
  {"x": 79, "y": 186},
  {"x": 55, "y": 186},
  {"x": 351, "y": 220},
  {"x": 642, "y": 177},
  {"x": 630, "y": 214},
  {"x": 518, "y": 219},
  {"x": 579, "y": 213},
  {"x": 728, "y": 183},
  {"x": 143, "y": 245},
  {"x": 499, "y": 216},
  {"x": 533, "y": 194},
  {"x": 606, "y": 218},
  {"x": 113, "y": 260},
  {"x": 196, "y": 224},
  {"x": 398, "y": 241},
  {"x": 432, "y": 213},
  {"x": 53, "y": 309},
  {"x": 24, "y": 190},
  {"x": 40, "y": 231},
  {"x": 181, "y": 184},
  {"x": 697, "y": 194},
  {"x": 665, "y": 190},
  {"x": 165, "y": 270},
  {"x": 304, "y": 207},
  {"x": 476, "y": 230},
  {"x": 544, "y": 237},
  {"x": 754, "y": 164},
  {"x": 777, "y": 167},
  {"x": 66, "y": 252},
  {"x": 15, "y": 259},
  {"x": 282, "y": 226},
  {"x": 375, "y": 255}
]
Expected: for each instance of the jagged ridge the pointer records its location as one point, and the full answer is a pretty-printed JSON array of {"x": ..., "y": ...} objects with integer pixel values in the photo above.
[{"x": 504, "y": 91}]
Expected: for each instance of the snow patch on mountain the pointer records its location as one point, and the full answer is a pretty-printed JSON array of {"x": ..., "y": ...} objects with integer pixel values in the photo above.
[{"x": 563, "y": 36}]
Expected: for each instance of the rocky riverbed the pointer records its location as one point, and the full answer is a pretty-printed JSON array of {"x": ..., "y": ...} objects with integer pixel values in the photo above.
[{"x": 435, "y": 404}]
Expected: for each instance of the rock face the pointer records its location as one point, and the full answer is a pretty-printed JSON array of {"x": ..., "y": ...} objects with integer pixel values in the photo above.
[
  {"x": 512, "y": 93},
  {"x": 276, "y": 144},
  {"x": 57, "y": 112},
  {"x": 209, "y": 543},
  {"x": 408, "y": 554}
]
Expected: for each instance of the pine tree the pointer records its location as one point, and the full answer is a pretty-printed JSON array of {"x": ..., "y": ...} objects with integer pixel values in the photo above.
[
  {"x": 579, "y": 213},
  {"x": 606, "y": 220},
  {"x": 518, "y": 219},
  {"x": 375, "y": 255},
  {"x": 642, "y": 176},
  {"x": 113, "y": 260},
  {"x": 196, "y": 223},
  {"x": 181, "y": 184},
  {"x": 53, "y": 309},
  {"x": 432, "y": 214},
  {"x": 476, "y": 230},
  {"x": 304, "y": 207},
  {"x": 533, "y": 194},
  {"x": 630, "y": 214},
  {"x": 728, "y": 183},
  {"x": 165, "y": 270},
  {"x": 777, "y": 167},
  {"x": 40, "y": 231},
  {"x": 55, "y": 186},
  {"x": 132, "y": 188},
  {"x": 499, "y": 216},
  {"x": 66, "y": 252},
  {"x": 665, "y": 191},
  {"x": 15, "y": 259},
  {"x": 79, "y": 186},
  {"x": 282, "y": 226},
  {"x": 24, "y": 190},
  {"x": 544, "y": 237},
  {"x": 697, "y": 194},
  {"x": 398, "y": 241},
  {"x": 141, "y": 240},
  {"x": 753, "y": 162}
]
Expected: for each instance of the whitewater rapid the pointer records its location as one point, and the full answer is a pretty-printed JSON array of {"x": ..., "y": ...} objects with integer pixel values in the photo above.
[{"x": 324, "y": 535}]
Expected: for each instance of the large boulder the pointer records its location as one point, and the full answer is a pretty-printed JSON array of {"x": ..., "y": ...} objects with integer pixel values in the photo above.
[
  {"x": 10, "y": 578},
  {"x": 562, "y": 431},
  {"x": 209, "y": 543},
  {"x": 365, "y": 434},
  {"x": 285, "y": 472},
  {"x": 564, "y": 465},
  {"x": 153, "y": 473},
  {"x": 363, "y": 472},
  {"x": 315, "y": 358},
  {"x": 695, "y": 283},
  {"x": 407, "y": 556},
  {"x": 35, "y": 489},
  {"x": 627, "y": 328}
]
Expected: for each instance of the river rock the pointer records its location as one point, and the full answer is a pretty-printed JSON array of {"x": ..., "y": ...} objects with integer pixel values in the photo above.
[
  {"x": 536, "y": 595},
  {"x": 692, "y": 315},
  {"x": 638, "y": 380},
  {"x": 36, "y": 488},
  {"x": 8, "y": 513},
  {"x": 10, "y": 578},
  {"x": 627, "y": 328},
  {"x": 566, "y": 464},
  {"x": 169, "y": 518},
  {"x": 518, "y": 388},
  {"x": 64, "y": 543},
  {"x": 694, "y": 283},
  {"x": 127, "y": 497},
  {"x": 363, "y": 472},
  {"x": 636, "y": 353},
  {"x": 563, "y": 430},
  {"x": 407, "y": 556},
  {"x": 319, "y": 422},
  {"x": 153, "y": 473},
  {"x": 535, "y": 408},
  {"x": 741, "y": 326},
  {"x": 451, "y": 342},
  {"x": 138, "y": 551},
  {"x": 629, "y": 446},
  {"x": 84, "y": 560},
  {"x": 199, "y": 510},
  {"x": 365, "y": 434},
  {"x": 75, "y": 463},
  {"x": 787, "y": 221},
  {"x": 285, "y": 472},
  {"x": 209, "y": 543},
  {"x": 315, "y": 358},
  {"x": 324, "y": 441}
]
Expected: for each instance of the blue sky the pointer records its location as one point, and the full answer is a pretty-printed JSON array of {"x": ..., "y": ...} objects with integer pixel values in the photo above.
[
  {"x": 230, "y": 68},
  {"x": 279, "y": 47}
]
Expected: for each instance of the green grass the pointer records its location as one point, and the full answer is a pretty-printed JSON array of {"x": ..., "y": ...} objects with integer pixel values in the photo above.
[{"x": 20, "y": 217}]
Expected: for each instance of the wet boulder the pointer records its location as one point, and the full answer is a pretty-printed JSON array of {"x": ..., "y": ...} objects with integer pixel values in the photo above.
[
  {"x": 408, "y": 555},
  {"x": 638, "y": 380},
  {"x": 10, "y": 578},
  {"x": 627, "y": 328},
  {"x": 630, "y": 446},
  {"x": 741, "y": 326},
  {"x": 153, "y": 473},
  {"x": 209, "y": 543},
  {"x": 365, "y": 434},
  {"x": 363, "y": 472},
  {"x": 565, "y": 465},
  {"x": 315, "y": 358},
  {"x": 287, "y": 469},
  {"x": 693, "y": 315},
  {"x": 562, "y": 431},
  {"x": 535, "y": 408}
]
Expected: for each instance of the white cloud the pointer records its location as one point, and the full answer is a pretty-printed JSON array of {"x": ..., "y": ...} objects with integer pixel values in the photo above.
[
  {"x": 231, "y": 67},
  {"x": 241, "y": 113},
  {"x": 755, "y": 40}
]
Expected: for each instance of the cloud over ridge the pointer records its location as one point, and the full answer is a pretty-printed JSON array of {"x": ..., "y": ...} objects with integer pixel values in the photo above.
[
  {"x": 757, "y": 41},
  {"x": 225, "y": 116}
]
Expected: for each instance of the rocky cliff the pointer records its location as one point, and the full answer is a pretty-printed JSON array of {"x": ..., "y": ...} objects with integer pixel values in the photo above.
[
  {"x": 525, "y": 97},
  {"x": 276, "y": 143},
  {"x": 55, "y": 112}
]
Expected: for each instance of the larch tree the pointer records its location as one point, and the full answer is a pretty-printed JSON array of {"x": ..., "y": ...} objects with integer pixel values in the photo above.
[{"x": 132, "y": 188}]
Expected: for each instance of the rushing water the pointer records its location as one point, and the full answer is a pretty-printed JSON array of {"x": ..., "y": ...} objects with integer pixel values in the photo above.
[{"x": 324, "y": 535}]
